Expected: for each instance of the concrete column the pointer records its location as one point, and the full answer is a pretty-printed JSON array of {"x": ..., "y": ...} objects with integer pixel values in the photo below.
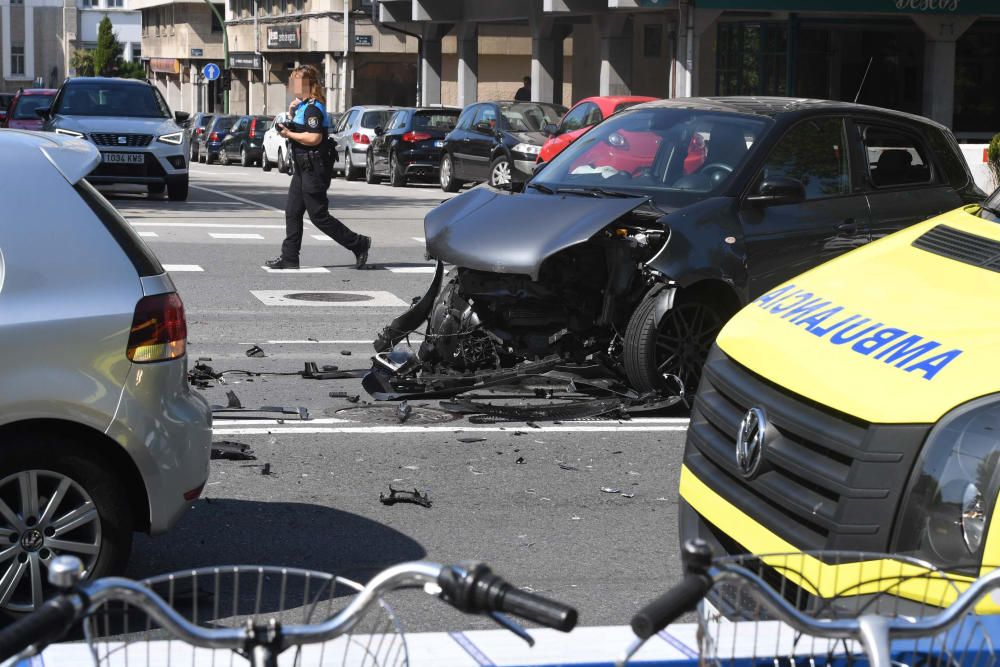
[
  {"x": 468, "y": 64},
  {"x": 616, "y": 54},
  {"x": 939, "y": 64},
  {"x": 547, "y": 39},
  {"x": 329, "y": 72},
  {"x": 195, "y": 98},
  {"x": 430, "y": 63}
]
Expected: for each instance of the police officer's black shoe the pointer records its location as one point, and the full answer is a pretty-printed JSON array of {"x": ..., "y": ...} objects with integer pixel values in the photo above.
[
  {"x": 281, "y": 263},
  {"x": 361, "y": 254}
]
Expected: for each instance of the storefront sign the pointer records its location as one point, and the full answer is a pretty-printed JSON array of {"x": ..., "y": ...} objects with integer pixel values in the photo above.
[
  {"x": 284, "y": 37},
  {"x": 973, "y": 7},
  {"x": 363, "y": 40},
  {"x": 165, "y": 65},
  {"x": 244, "y": 60},
  {"x": 197, "y": 53}
]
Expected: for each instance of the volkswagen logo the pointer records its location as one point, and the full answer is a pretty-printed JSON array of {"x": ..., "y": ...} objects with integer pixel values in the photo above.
[{"x": 750, "y": 441}]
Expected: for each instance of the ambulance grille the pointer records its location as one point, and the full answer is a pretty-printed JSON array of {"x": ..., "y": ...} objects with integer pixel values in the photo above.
[
  {"x": 826, "y": 481},
  {"x": 961, "y": 247}
]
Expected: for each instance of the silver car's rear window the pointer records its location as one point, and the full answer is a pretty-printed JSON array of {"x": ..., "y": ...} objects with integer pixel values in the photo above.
[
  {"x": 373, "y": 119},
  {"x": 144, "y": 261}
]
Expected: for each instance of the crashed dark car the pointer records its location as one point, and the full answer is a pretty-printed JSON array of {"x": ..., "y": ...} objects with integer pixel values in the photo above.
[{"x": 622, "y": 254}]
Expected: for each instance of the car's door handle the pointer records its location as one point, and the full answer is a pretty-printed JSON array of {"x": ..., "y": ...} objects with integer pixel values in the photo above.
[{"x": 848, "y": 227}]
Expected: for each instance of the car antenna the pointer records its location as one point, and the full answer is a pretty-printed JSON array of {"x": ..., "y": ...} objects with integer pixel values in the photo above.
[{"x": 863, "y": 79}]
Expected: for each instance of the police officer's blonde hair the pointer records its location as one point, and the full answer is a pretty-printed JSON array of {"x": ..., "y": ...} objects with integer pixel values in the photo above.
[{"x": 311, "y": 76}]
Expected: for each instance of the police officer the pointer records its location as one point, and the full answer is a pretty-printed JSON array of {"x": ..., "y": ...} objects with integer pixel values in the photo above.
[{"x": 314, "y": 155}]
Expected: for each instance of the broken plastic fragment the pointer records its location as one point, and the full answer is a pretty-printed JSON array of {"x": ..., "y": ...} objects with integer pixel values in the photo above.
[
  {"x": 256, "y": 351},
  {"x": 396, "y": 496},
  {"x": 608, "y": 489}
]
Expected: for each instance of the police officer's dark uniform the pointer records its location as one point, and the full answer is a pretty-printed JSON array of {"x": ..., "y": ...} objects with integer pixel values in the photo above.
[{"x": 307, "y": 191}]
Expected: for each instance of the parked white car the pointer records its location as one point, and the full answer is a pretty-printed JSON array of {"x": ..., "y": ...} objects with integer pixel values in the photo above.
[{"x": 276, "y": 149}]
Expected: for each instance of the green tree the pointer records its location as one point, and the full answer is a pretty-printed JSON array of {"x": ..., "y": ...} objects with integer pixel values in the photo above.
[
  {"x": 108, "y": 54},
  {"x": 993, "y": 158},
  {"x": 82, "y": 61},
  {"x": 132, "y": 70}
]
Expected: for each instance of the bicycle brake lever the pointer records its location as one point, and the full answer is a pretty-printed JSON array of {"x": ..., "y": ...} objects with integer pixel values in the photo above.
[{"x": 507, "y": 624}]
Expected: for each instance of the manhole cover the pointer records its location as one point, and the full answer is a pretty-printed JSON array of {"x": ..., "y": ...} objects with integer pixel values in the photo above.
[
  {"x": 388, "y": 414},
  {"x": 334, "y": 297}
]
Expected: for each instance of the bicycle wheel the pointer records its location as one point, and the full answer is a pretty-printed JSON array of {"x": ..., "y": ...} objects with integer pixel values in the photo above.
[{"x": 235, "y": 596}]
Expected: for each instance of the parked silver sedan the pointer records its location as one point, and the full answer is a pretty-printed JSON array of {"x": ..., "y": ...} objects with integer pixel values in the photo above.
[
  {"x": 100, "y": 433},
  {"x": 354, "y": 133}
]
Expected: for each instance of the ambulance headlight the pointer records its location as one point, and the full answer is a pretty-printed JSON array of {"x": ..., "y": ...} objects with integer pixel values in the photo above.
[{"x": 953, "y": 488}]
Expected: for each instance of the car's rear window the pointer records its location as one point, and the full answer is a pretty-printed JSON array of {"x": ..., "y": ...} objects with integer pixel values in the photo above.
[
  {"x": 224, "y": 123},
  {"x": 145, "y": 262},
  {"x": 372, "y": 119},
  {"x": 26, "y": 105},
  {"x": 111, "y": 99},
  {"x": 264, "y": 124},
  {"x": 623, "y": 106},
  {"x": 435, "y": 120}
]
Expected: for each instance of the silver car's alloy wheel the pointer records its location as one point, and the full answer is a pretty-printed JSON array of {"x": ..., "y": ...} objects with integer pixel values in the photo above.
[
  {"x": 445, "y": 172},
  {"x": 501, "y": 174},
  {"x": 43, "y": 514}
]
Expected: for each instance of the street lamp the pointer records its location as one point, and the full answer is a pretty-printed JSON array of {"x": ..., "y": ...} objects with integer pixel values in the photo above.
[{"x": 225, "y": 53}]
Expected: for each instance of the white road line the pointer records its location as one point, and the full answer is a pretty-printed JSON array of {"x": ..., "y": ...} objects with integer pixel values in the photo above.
[
  {"x": 239, "y": 199},
  {"x": 388, "y": 430},
  {"x": 298, "y": 425},
  {"x": 419, "y": 239},
  {"x": 304, "y": 269},
  {"x": 318, "y": 342},
  {"x": 176, "y": 268},
  {"x": 221, "y": 235},
  {"x": 366, "y": 299},
  {"x": 409, "y": 269},
  {"x": 212, "y": 203},
  {"x": 268, "y": 422},
  {"x": 148, "y": 235},
  {"x": 204, "y": 225},
  {"x": 322, "y": 237}
]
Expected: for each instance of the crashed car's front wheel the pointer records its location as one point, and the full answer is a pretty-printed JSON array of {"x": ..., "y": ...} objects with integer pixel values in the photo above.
[{"x": 676, "y": 344}]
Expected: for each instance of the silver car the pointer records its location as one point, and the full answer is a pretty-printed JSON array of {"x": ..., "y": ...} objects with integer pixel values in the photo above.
[
  {"x": 354, "y": 133},
  {"x": 100, "y": 433},
  {"x": 131, "y": 124}
]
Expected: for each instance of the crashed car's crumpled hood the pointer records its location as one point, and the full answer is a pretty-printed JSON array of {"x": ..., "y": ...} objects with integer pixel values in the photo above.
[
  {"x": 498, "y": 232},
  {"x": 895, "y": 291}
]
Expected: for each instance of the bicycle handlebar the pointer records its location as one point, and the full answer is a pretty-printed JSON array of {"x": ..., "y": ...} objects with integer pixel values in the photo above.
[{"x": 472, "y": 590}]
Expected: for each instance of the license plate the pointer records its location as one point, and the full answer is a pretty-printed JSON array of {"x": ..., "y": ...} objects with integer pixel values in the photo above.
[
  {"x": 438, "y": 144},
  {"x": 123, "y": 158}
]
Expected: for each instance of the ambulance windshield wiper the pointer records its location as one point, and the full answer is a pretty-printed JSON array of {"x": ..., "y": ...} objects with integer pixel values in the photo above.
[{"x": 597, "y": 192}]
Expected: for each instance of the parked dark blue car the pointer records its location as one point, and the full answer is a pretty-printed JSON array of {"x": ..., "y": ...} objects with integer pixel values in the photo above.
[
  {"x": 409, "y": 146},
  {"x": 210, "y": 140}
]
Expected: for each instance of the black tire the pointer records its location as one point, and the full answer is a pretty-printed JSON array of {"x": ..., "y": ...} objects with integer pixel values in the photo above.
[
  {"x": 177, "y": 188},
  {"x": 52, "y": 455},
  {"x": 370, "y": 176},
  {"x": 203, "y": 157},
  {"x": 282, "y": 165},
  {"x": 397, "y": 178},
  {"x": 194, "y": 152},
  {"x": 677, "y": 345},
  {"x": 265, "y": 164},
  {"x": 447, "y": 175},
  {"x": 245, "y": 160},
  {"x": 501, "y": 165},
  {"x": 156, "y": 188},
  {"x": 351, "y": 173}
]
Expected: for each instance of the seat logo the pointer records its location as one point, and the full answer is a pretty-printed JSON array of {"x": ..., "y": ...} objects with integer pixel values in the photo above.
[
  {"x": 122, "y": 141},
  {"x": 750, "y": 441}
]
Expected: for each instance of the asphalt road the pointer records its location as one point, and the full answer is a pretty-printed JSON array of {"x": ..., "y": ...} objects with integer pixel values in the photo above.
[{"x": 544, "y": 523}]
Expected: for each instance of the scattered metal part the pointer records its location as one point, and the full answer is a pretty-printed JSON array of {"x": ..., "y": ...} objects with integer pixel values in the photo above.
[
  {"x": 471, "y": 440},
  {"x": 397, "y": 496},
  {"x": 532, "y": 424},
  {"x": 490, "y": 413},
  {"x": 566, "y": 466},
  {"x": 234, "y": 400},
  {"x": 263, "y": 412},
  {"x": 329, "y": 369},
  {"x": 346, "y": 353},
  {"x": 354, "y": 398},
  {"x": 232, "y": 451},
  {"x": 266, "y": 470},
  {"x": 202, "y": 375},
  {"x": 256, "y": 351},
  {"x": 388, "y": 415},
  {"x": 311, "y": 371},
  {"x": 609, "y": 489},
  {"x": 338, "y": 394},
  {"x": 403, "y": 411},
  {"x": 628, "y": 495},
  {"x": 520, "y": 460}
]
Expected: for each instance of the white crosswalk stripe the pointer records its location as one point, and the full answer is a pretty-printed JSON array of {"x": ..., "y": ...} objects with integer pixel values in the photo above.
[
  {"x": 178, "y": 268},
  {"x": 304, "y": 269},
  {"x": 222, "y": 235},
  {"x": 409, "y": 269},
  {"x": 148, "y": 235}
]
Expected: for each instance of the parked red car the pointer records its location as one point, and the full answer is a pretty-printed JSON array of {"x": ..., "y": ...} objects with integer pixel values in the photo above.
[
  {"x": 21, "y": 112},
  {"x": 584, "y": 115}
]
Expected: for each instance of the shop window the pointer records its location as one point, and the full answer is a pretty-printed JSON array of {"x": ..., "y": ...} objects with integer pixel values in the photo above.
[
  {"x": 17, "y": 60},
  {"x": 17, "y": 2},
  {"x": 894, "y": 157},
  {"x": 136, "y": 53},
  {"x": 115, "y": 4},
  {"x": 652, "y": 40},
  {"x": 814, "y": 152},
  {"x": 752, "y": 59}
]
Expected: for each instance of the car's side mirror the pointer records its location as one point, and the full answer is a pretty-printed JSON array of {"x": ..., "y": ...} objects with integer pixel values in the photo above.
[
  {"x": 776, "y": 191},
  {"x": 182, "y": 116},
  {"x": 43, "y": 112},
  {"x": 550, "y": 129},
  {"x": 379, "y": 131}
]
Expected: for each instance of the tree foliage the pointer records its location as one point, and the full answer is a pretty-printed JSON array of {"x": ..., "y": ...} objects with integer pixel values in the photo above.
[
  {"x": 993, "y": 158},
  {"x": 108, "y": 54},
  {"x": 82, "y": 61}
]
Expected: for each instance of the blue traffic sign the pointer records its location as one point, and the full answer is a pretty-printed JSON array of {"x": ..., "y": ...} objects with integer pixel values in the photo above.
[{"x": 210, "y": 71}]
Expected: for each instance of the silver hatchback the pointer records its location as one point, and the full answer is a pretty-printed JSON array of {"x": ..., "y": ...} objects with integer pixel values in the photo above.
[
  {"x": 100, "y": 433},
  {"x": 354, "y": 133}
]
